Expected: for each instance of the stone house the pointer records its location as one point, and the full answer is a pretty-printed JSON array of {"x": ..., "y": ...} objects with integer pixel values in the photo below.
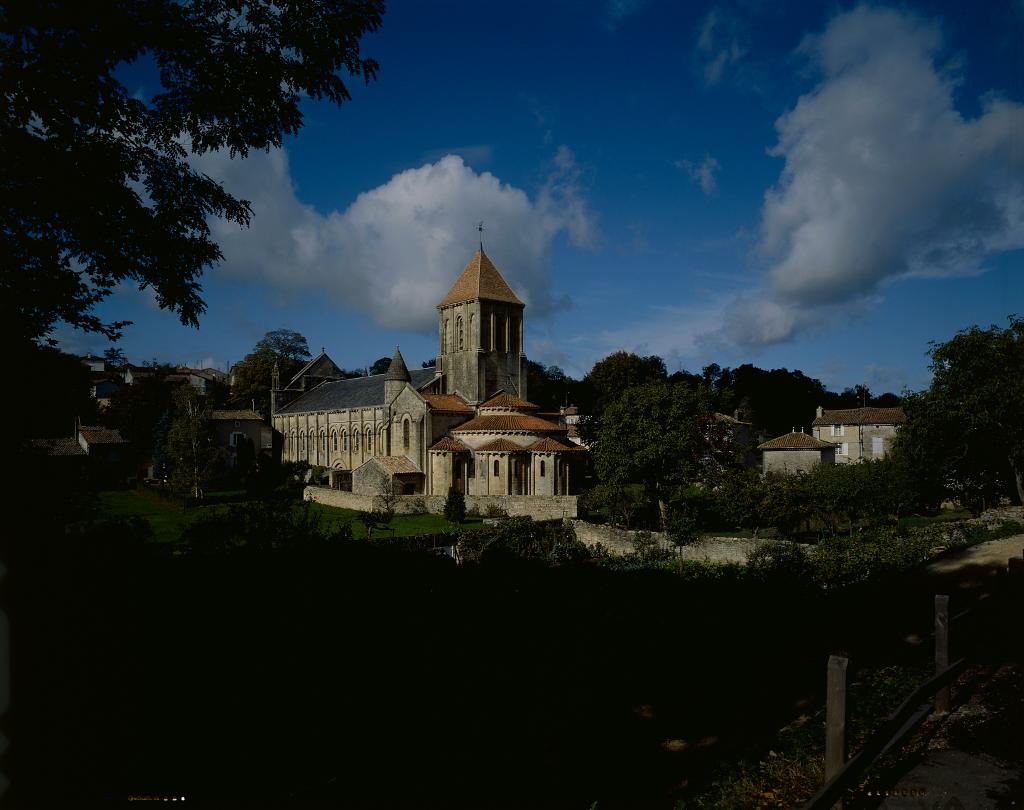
[
  {"x": 795, "y": 452},
  {"x": 464, "y": 423},
  {"x": 858, "y": 433},
  {"x": 234, "y": 427}
]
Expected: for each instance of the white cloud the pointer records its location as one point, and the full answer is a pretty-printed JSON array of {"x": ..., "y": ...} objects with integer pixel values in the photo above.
[
  {"x": 395, "y": 251},
  {"x": 883, "y": 178},
  {"x": 718, "y": 45},
  {"x": 703, "y": 173}
]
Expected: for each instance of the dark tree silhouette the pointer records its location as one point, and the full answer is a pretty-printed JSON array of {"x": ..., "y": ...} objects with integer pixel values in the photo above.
[{"x": 95, "y": 184}]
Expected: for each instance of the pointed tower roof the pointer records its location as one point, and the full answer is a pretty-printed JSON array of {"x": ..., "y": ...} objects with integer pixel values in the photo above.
[
  {"x": 480, "y": 279},
  {"x": 398, "y": 370}
]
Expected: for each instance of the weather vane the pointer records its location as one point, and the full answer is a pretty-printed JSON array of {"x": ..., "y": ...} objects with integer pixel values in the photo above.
[{"x": 480, "y": 227}]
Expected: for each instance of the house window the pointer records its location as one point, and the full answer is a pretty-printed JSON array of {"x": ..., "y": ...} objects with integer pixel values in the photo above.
[
  {"x": 837, "y": 430},
  {"x": 844, "y": 449},
  {"x": 877, "y": 446},
  {"x": 496, "y": 473},
  {"x": 542, "y": 468},
  {"x": 236, "y": 437}
]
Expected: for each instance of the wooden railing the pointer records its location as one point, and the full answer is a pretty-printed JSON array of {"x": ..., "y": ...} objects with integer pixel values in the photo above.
[{"x": 932, "y": 696}]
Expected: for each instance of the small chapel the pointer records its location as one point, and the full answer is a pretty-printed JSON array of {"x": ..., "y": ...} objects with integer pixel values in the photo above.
[{"x": 465, "y": 423}]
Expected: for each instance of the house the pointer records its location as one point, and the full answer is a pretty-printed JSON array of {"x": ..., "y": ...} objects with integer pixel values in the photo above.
[
  {"x": 464, "y": 423},
  {"x": 858, "y": 433},
  {"x": 99, "y": 453},
  {"x": 233, "y": 428},
  {"x": 202, "y": 379},
  {"x": 134, "y": 374},
  {"x": 795, "y": 452},
  {"x": 103, "y": 390}
]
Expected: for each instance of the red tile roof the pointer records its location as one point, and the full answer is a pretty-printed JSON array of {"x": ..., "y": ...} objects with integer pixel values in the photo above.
[
  {"x": 861, "y": 416},
  {"x": 795, "y": 441},
  {"x": 500, "y": 423},
  {"x": 64, "y": 446},
  {"x": 480, "y": 279},
  {"x": 451, "y": 403},
  {"x": 449, "y": 445},
  {"x": 101, "y": 435},
  {"x": 508, "y": 402},
  {"x": 501, "y": 446},
  {"x": 549, "y": 445}
]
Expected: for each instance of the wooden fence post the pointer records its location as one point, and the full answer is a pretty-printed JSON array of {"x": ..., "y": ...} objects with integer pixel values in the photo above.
[
  {"x": 942, "y": 696},
  {"x": 835, "y": 718}
]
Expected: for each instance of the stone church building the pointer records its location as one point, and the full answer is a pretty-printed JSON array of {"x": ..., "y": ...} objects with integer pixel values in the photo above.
[{"x": 466, "y": 423}]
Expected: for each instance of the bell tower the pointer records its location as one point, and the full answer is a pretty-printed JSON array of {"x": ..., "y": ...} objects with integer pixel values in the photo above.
[{"x": 480, "y": 334}]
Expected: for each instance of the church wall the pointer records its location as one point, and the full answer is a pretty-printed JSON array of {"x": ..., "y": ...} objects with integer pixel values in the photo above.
[
  {"x": 794, "y": 461},
  {"x": 475, "y": 440}
]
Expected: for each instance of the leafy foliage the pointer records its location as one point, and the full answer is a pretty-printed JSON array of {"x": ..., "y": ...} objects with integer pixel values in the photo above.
[
  {"x": 192, "y": 452},
  {"x": 455, "y": 507},
  {"x": 254, "y": 374},
  {"x": 96, "y": 184}
]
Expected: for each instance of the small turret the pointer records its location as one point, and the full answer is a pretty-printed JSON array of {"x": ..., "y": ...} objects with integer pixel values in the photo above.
[{"x": 396, "y": 377}]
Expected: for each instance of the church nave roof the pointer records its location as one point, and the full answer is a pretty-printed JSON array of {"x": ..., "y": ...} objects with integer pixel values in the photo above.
[{"x": 358, "y": 392}]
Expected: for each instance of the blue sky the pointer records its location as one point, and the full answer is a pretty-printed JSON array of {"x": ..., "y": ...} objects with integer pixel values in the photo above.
[{"x": 817, "y": 186}]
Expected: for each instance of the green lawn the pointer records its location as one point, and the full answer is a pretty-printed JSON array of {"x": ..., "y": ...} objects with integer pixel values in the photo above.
[
  {"x": 333, "y": 517},
  {"x": 168, "y": 520}
]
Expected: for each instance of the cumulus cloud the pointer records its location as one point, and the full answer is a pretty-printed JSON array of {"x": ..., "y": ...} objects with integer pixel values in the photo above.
[
  {"x": 703, "y": 173},
  {"x": 395, "y": 251},
  {"x": 883, "y": 177},
  {"x": 718, "y": 45}
]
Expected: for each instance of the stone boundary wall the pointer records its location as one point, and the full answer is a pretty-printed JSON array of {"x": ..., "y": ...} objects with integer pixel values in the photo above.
[
  {"x": 709, "y": 549},
  {"x": 538, "y": 507}
]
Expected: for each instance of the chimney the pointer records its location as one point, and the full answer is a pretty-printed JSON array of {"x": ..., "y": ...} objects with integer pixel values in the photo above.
[{"x": 820, "y": 412}]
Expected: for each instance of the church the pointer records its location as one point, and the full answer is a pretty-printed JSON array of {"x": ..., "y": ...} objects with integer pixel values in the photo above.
[{"x": 465, "y": 423}]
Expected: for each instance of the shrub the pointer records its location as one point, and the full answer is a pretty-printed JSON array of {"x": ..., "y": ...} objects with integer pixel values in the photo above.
[
  {"x": 455, "y": 507},
  {"x": 494, "y": 511},
  {"x": 780, "y": 562}
]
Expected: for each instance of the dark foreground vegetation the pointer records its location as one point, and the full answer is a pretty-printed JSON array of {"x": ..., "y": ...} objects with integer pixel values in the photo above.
[{"x": 315, "y": 666}]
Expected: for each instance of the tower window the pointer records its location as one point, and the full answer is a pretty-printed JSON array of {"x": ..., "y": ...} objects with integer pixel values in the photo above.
[
  {"x": 444, "y": 337},
  {"x": 405, "y": 434},
  {"x": 542, "y": 468},
  {"x": 459, "y": 324}
]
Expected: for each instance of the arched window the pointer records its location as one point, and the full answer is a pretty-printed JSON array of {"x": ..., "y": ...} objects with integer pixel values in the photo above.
[
  {"x": 302, "y": 443},
  {"x": 405, "y": 433},
  {"x": 334, "y": 440},
  {"x": 496, "y": 473},
  {"x": 355, "y": 440},
  {"x": 458, "y": 323},
  {"x": 344, "y": 440},
  {"x": 542, "y": 468},
  {"x": 444, "y": 337},
  {"x": 369, "y": 440},
  {"x": 469, "y": 335},
  {"x": 502, "y": 336}
]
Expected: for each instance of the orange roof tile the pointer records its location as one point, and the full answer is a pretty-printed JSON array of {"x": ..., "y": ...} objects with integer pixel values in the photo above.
[
  {"x": 480, "y": 279},
  {"x": 499, "y": 423},
  {"x": 549, "y": 445},
  {"x": 509, "y": 402},
  {"x": 795, "y": 441},
  {"x": 861, "y": 416},
  {"x": 449, "y": 445},
  {"x": 501, "y": 446},
  {"x": 447, "y": 402}
]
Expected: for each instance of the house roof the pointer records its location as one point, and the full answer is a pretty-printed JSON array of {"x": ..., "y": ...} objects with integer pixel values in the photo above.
[
  {"x": 358, "y": 392},
  {"x": 447, "y": 402},
  {"x": 549, "y": 445},
  {"x": 501, "y": 446},
  {"x": 242, "y": 416},
  {"x": 449, "y": 445},
  {"x": 101, "y": 435},
  {"x": 500, "y": 423},
  {"x": 480, "y": 279},
  {"x": 396, "y": 464},
  {"x": 861, "y": 416},
  {"x": 795, "y": 441},
  {"x": 64, "y": 446},
  {"x": 509, "y": 402}
]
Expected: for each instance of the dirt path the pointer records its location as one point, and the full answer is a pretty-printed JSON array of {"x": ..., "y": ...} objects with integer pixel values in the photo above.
[{"x": 992, "y": 553}]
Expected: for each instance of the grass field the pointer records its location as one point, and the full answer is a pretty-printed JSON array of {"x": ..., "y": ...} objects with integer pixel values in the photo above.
[{"x": 169, "y": 520}]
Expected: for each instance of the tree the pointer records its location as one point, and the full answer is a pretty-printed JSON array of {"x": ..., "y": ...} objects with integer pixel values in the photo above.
[
  {"x": 380, "y": 366},
  {"x": 95, "y": 184},
  {"x": 548, "y": 386},
  {"x": 190, "y": 443},
  {"x": 114, "y": 356},
  {"x": 455, "y": 507},
  {"x": 653, "y": 435},
  {"x": 253, "y": 374}
]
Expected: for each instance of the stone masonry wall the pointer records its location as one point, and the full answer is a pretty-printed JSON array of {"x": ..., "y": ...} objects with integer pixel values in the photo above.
[
  {"x": 536, "y": 506},
  {"x": 621, "y": 541}
]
